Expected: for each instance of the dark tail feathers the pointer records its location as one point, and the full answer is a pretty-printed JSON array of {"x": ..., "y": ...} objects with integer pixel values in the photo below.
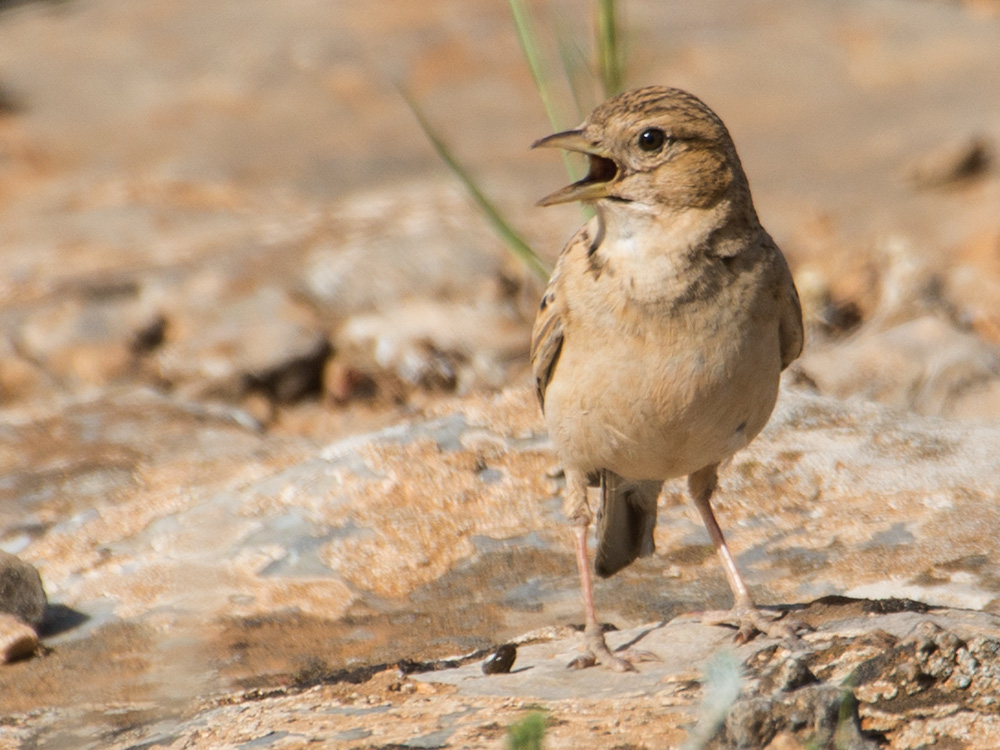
[{"x": 625, "y": 522}]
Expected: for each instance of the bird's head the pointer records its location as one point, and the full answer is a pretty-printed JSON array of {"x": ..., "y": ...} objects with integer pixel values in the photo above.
[{"x": 658, "y": 147}]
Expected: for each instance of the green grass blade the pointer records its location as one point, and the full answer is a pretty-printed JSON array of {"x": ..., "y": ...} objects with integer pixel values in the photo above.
[
  {"x": 532, "y": 55},
  {"x": 722, "y": 682},
  {"x": 528, "y": 733},
  {"x": 508, "y": 236},
  {"x": 610, "y": 61},
  {"x": 575, "y": 68}
]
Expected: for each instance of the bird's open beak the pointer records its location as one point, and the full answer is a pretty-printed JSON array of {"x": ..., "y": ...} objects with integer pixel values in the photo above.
[{"x": 603, "y": 168}]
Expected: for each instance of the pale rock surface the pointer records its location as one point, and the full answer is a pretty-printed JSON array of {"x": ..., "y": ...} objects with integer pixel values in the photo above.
[
  {"x": 449, "y": 346},
  {"x": 417, "y": 239},
  {"x": 188, "y": 227},
  {"x": 305, "y": 564},
  {"x": 899, "y": 658},
  {"x": 924, "y": 365},
  {"x": 84, "y": 339},
  {"x": 226, "y": 340}
]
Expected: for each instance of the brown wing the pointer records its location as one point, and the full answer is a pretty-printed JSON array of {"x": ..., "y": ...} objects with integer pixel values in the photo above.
[
  {"x": 547, "y": 335},
  {"x": 546, "y": 338},
  {"x": 791, "y": 336},
  {"x": 790, "y": 331}
]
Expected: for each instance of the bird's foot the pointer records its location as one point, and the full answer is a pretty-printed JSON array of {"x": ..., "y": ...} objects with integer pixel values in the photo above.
[
  {"x": 596, "y": 652},
  {"x": 750, "y": 621}
]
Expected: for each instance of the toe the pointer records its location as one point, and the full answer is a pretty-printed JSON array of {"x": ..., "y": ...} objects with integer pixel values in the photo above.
[
  {"x": 746, "y": 632},
  {"x": 750, "y": 622},
  {"x": 635, "y": 655},
  {"x": 583, "y": 661},
  {"x": 785, "y": 628},
  {"x": 618, "y": 664}
]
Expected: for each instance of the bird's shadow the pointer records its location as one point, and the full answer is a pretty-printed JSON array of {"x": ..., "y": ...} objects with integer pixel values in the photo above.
[
  {"x": 59, "y": 619},
  {"x": 640, "y": 636}
]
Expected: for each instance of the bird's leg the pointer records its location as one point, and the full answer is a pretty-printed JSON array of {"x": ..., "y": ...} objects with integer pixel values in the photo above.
[
  {"x": 596, "y": 649},
  {"x": 744, "y": 615}
]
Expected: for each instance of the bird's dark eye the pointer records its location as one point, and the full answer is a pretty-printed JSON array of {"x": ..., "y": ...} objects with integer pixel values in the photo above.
[{"x": 652, "y": 139}]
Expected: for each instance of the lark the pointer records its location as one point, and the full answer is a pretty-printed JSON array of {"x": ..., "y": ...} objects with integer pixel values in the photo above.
[{"x": 662, "y": 334}]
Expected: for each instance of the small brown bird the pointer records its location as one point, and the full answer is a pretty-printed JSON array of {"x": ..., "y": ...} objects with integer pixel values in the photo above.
[{"x": 662, "y": 334}]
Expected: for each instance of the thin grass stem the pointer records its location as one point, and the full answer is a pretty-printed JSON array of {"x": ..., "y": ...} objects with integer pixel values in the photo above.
[
  {"x": 610, "y": 61},
  {"x": 507, "y": 235}
]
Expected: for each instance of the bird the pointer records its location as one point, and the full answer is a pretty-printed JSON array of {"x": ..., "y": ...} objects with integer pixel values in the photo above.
[{"x": 661, "y": 336}]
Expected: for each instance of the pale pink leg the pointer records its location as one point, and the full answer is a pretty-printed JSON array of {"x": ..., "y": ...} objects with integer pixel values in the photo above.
[
  {"x": 596, "y": 649},
  {"x": 745, "y": 616}
]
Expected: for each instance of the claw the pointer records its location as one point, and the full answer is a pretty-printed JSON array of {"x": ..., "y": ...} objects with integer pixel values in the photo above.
[
  {"x": 751, "y": 622},
  {"x": 619, "y": 664},
  {"x": 596, "y": 652},
  {"x": 583, "y": 661}
]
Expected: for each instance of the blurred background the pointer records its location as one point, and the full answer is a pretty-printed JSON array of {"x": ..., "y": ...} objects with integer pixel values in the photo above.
[
  {"x": 226, "y": 243},
  {"x": 232, "y": 202}
]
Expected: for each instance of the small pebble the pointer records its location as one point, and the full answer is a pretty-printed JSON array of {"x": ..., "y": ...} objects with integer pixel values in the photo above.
[
  {"x": 21, "y": 591},
  {"x": 501, "y": 660},
  {"x": 17, "y": 640}
]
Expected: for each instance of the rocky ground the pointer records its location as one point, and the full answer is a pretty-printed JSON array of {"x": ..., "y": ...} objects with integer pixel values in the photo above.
[{"x": 268, "y": 434}]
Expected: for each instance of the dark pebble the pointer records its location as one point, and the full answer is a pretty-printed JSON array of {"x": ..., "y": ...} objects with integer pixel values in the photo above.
[{"x": 501, "y": 660}]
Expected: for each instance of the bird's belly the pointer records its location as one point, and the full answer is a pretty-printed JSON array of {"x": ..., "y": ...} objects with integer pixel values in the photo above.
[{"x": 660, "y": 416}]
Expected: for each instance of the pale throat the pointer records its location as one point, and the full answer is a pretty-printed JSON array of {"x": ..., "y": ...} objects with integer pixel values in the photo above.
[{"x": 648, "y": 249}]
